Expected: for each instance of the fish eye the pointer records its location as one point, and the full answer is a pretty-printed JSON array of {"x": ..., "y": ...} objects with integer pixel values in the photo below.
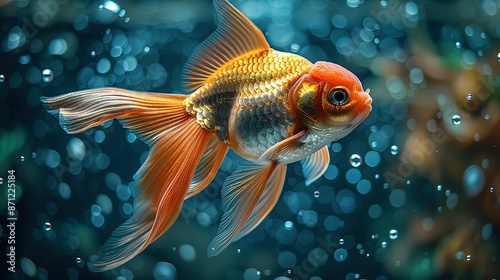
[{"x": 339, "y": 96}]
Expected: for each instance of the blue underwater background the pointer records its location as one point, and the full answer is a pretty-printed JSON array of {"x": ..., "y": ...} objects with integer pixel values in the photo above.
[{"x": 412, "y": 193}]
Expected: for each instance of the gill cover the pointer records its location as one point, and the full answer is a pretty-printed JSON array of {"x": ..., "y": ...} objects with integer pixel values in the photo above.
[{"x": 305, "y": 97}]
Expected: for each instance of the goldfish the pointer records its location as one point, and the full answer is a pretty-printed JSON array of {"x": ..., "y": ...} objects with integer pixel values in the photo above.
[{"x": 272, "y": 108}]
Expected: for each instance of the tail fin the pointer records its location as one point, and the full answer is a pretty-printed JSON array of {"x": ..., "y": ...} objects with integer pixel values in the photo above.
[{"x": 177, "y": 143}]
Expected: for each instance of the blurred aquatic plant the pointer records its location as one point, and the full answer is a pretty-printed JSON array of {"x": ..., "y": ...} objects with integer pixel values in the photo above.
[{"x": 453, "y": 97}]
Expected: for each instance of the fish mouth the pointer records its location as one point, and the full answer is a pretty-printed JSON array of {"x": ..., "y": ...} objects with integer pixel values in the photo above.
[{"x": 365, "y": 108}]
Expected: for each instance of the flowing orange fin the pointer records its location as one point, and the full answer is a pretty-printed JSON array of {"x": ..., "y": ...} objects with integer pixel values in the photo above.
[
  {"x": 161, "y": 185},
  {"x": 235, "y": 35},
  {"x": 177, "y": 145},
  {"x": 266, "y": 202},
  {"x": 144, "y": 113},
  {"x": 240, "y": 193},
  {"x": 315, "y": 165},
  {"x": 209, "y": 165}
]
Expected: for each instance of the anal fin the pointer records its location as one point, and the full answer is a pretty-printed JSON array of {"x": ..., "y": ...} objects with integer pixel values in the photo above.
[
  {"x": 266, "y": 202},
  {"x": 241, "y": 193}
]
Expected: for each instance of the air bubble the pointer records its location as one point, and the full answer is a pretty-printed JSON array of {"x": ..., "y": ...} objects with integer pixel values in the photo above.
[
  {"x": 341, "y": 241},
  {"x": 473, "y": 180},
  {"x": 340, "y": 255},
  {"x": 80, "y": 262},
  {"x": 1, "y": 181},
  {"x": 2, "y": 78},
  {"x": 47, "y": 75},
  {"x": 469, "y": 97},
  {"x": 187, "y": 252},
  {"x": 394, "y": 150},
  {"x": 458, "y": 45},
  {"x": 393, "y": 234},
  {"x": 355, "y": 160},
  {"x": 384, "y": 244},
  {"x": 92, "y": 53},
  {"x": 468, "y": 258},
  {"x": 439, "y": 188},
  {"x": 316, "y": 194},
  {"x": 296, "y": 47},
  {"x": 47, "y": 226},
  {"x": 164, "y": 270},
  {"x": 22, "y": 158},
  {"x": 498, "y": 57},
  {"x": 456, "y": 119}
]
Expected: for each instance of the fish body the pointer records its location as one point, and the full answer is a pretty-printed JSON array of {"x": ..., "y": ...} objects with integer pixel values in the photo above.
[
  {"x": 270, "y": 107},
  {"x": 246, "y": 102}
]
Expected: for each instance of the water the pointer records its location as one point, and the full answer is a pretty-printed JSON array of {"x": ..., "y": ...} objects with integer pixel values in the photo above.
[{"x": 425, "y": 155}]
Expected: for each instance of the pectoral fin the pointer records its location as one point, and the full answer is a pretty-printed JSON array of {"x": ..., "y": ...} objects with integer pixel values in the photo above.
[
  {"x": 284, "y": 147},
  {"x": 315, "y": 165}
]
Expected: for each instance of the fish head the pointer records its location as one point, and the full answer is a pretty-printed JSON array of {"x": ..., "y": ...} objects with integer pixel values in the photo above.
[{"x": 330, "y": 97}]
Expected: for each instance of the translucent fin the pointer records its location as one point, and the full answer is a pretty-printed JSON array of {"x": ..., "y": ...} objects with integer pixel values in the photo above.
[
  {"x": 315, "y": 165},
  {"x": 282, "y": 148},
  {"x": 144, "y": 113},
  {"x": 266, "y": 202},
  {"x": 240, "y": 193},
  {"x": 235, "y": 35},
  {"x": 209, "y": 165},
  {"x": 161, "y": 185},
  {"x": 177, "y": 145}
]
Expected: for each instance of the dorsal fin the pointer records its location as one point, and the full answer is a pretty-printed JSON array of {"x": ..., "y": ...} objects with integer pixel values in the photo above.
[{"x": 235, "y": 35}]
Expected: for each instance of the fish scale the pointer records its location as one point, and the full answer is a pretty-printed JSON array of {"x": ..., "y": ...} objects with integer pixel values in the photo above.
[{"x": 250, "y": 95}]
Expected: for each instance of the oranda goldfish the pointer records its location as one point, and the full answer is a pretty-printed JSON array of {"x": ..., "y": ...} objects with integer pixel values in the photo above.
[{"x": 272, "y": 108}]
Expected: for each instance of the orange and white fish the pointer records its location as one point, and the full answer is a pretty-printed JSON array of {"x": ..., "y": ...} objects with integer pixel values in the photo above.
[{"x": 272, "y": 108}]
